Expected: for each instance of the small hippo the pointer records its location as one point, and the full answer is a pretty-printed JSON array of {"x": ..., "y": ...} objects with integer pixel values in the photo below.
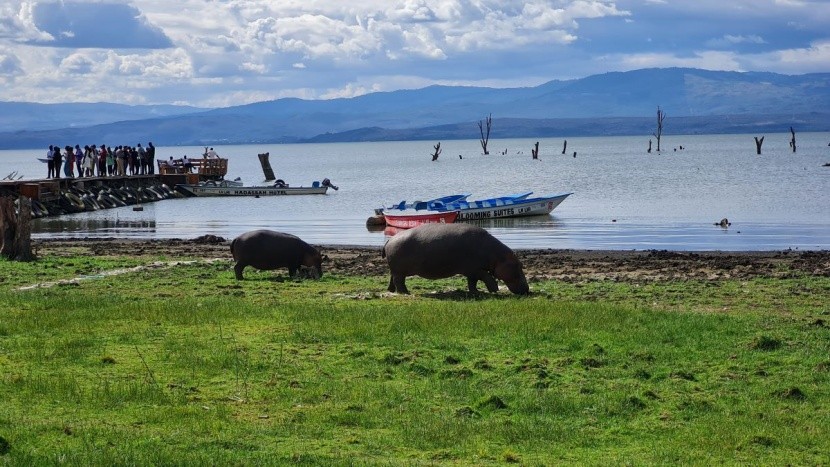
[
  {"x": 437, "y": 251},
  {"x": 268, "y": 250}
]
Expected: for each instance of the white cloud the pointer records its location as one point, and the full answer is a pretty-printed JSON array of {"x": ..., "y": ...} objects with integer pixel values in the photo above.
[
  {"x": 813, "y": 59},
  {"x": 710, "y": 60},
  {"x": 729, "y": 40},
  {"x": 17, "y": 24},
  {"x": 9, "y": 65}
]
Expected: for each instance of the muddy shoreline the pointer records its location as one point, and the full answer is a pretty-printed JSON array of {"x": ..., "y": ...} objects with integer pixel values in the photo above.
[{"x": 539, "y": 264}]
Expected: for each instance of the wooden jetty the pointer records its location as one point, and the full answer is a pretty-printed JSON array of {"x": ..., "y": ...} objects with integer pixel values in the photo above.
[
  {"x": 45, "y": 189},
  {"x": 66, "y": 195}
]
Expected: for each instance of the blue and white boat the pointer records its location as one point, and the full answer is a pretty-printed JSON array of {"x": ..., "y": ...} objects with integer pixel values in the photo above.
[
  {"x": 503, "y": 206},
  {"x": 421, "y": 205},
  {"x": 515, "y": 205}
]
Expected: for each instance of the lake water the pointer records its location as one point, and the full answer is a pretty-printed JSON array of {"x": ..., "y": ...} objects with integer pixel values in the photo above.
[{"x": 623, "y": 198}]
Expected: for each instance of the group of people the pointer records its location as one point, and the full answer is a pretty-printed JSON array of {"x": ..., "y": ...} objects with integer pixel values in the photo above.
[{"x": 103, "y": 161}]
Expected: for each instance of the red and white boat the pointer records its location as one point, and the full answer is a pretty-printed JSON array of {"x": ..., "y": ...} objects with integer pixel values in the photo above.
[{"x": 407, "y": 220}]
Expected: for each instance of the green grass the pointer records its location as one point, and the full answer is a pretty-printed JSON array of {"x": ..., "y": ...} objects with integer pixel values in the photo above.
[{"x": 185, "y": 365}]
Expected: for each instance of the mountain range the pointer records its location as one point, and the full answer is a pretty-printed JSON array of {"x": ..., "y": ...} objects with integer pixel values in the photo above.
[{"x": 618, "y": 103}]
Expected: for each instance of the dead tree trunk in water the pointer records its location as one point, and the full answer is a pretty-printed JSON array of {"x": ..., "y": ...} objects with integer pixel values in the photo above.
[
  {"x": 659, "y": 133},
  {"x": 437, "y": 151},
  {"x": 649, "y": 146},
  {"x": 535, "y": 150},
  {"x": 792, "y": 141},
  {"x": 266, "y": 167},
  {"x": 16, "y": 230},
  {"x": 564, "y": 147},
  {"x": 758, "y": 143},
  {"x": 485, "y": 137}
]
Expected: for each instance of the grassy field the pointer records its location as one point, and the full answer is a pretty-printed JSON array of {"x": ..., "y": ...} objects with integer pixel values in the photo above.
[{"x": 181, "y": 364}]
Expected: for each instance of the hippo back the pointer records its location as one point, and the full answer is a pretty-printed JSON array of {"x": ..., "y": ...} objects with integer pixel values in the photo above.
[{"x": 443, "y": 250}]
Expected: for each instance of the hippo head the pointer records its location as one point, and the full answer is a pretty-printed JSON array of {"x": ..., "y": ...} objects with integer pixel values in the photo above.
[
  {"x": 313, "y": 263},
  {"x": 509, "y": 270}
]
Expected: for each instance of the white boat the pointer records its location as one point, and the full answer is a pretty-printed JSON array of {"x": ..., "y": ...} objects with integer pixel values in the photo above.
[
  {"x": 506, "y": 206},
  {"x": 234, "y": 189}
]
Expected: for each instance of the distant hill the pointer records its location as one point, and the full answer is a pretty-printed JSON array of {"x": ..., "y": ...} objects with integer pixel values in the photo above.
[
  {"x": 696, "y": 101},
  {"x": 17, "y": 116}
]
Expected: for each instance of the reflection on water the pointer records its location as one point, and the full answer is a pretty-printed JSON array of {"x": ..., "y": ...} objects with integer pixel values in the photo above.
[
  {"x": 97, "y": 227},
  {"x": 545, "y": 221}
]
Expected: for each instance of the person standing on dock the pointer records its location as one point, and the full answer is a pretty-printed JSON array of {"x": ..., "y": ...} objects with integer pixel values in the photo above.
[
  {"x": 110, "y": 160},
  {"x": 90, "y": 161},
  {"x": 142, "y": 159},
  {"x": 120, "y": 159},
  {"x": 79, "y": 160},
  {"x": 56, "y": 154},
  {"x": 186, "y": 164},
  {"x": 50, "y": 162},
  {"x": 69, "y": 163},
  {"x": 100, "y": 161},
  {"x": 151, "y": 158}
]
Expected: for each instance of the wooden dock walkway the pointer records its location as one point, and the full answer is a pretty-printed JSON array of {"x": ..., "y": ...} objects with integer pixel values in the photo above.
[{"x": 45, "y": 189}]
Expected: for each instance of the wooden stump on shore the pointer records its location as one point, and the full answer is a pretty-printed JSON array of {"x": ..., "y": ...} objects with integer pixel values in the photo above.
[{"x": 16, "y": 229}]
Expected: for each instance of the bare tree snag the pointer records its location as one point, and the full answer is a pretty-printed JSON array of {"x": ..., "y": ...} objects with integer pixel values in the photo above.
[
  {"x": 758, "y": 143},
  {"x": 437, "y": 151},
  {"x": 16, "y": 229},
  {"x": 792, "y": 141},
  {"x": 535, "y": 150},
  {"x": 659, "y": 133},
  {"x": 485, "y": 136},
  {"x": 266, "y": 166},
  {"x": 649, "y": 146},
  {"x": 564, "y": 146}
]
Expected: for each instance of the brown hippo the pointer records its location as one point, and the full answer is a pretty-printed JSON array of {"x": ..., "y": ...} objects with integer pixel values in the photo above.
[
  {"x": 267, "y": 250},
  {"x": 437, "y": 251}
]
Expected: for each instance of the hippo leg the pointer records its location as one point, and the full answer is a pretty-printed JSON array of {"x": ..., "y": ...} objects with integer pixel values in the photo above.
[
  {"x": 237, "y": 268},
  {"x": 490, "y": 282},
  {"x": 292, "y": 272},
  {"x": 399, "y": 282},
  {"x": 485, "y": 277},
  {"x": 391, "y": 287}
]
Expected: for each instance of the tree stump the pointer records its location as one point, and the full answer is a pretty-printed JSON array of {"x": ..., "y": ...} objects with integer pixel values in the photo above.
[
  {"x": 758, "y": 144},
  {"x": 266, "y": 166},
  {"x": 485, "y": 137},
  {"x": 792, "y": 140},
  {"x": 16, "y": 229}
]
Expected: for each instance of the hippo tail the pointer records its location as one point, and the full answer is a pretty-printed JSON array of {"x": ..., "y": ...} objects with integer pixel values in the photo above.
[{"x": 383, "y": 251}]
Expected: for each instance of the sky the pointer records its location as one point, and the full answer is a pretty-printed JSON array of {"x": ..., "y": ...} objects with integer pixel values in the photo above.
[{"x": 212, "y": 53}]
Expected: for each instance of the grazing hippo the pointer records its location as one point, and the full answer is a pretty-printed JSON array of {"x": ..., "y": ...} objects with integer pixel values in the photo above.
[
  {"x": 437, "y": 251},
  {"x": 267, "y": 250}
]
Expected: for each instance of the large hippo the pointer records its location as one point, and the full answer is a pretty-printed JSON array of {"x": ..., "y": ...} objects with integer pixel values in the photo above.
[
  {"x": 437, "y": 251},
  {"x": 267, "y": 250}
]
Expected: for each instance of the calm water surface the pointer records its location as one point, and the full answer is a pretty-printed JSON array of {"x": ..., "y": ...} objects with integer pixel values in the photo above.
[{"x": 622, "y": 197}]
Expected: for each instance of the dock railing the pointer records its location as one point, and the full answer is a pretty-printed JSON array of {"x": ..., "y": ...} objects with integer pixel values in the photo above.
[{"x": 217, "y": 168}]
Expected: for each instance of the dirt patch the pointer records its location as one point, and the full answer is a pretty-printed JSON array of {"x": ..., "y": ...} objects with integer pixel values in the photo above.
[{"x": 565, "y": 265}]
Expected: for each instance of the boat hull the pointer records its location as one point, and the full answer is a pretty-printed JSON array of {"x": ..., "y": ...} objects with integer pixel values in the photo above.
[
  {"x": 201, "y": 190},
  {"x": 408, "y": 221},
  {"x": 518, "y": 208}
]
